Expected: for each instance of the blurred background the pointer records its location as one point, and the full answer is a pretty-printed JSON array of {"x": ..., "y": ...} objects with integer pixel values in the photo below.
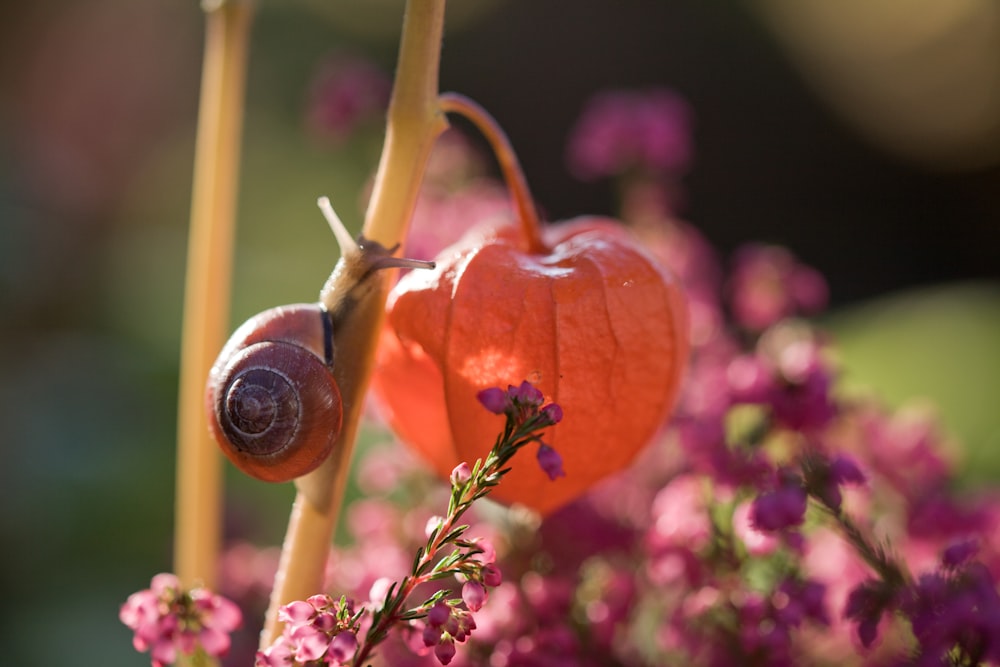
[{"x": 863, "y": 134}]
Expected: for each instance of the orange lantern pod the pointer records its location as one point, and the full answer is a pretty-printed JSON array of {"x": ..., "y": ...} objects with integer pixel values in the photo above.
[{"x": 579, "y": 309}]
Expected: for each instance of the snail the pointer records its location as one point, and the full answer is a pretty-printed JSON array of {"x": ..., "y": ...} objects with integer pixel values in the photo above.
[{"x": 273, "y": 400}]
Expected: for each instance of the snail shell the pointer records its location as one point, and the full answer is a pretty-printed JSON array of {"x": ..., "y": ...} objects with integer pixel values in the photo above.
[{"x": 273, "y": 403}]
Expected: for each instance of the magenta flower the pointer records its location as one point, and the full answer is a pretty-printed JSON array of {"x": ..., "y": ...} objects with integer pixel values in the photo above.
[
  {"x": 446, "y": 624},
  {"x": 523, "y": 403},
  {"x": 168, "y": 620},
  {"x": 784, "y": 507},
  {"x": 553, "y": 413},
  {"x": 495, "y": 400},
  {"x": 768, "y": 283},
  {"x": 959, "y": 553},
  {"x": 620, "y": 131},
  {"x": 865, "y": 604},
  {"x": 525, "y": 394},
  {"x": 474, "y": 595},
  {"x": 824, "y": 478},
  {"x": 438, "y": 615},
  {"x": 347, "y": 92},
  {"x": 445, "y": 649},
  {"x": 491, "y": 574},
  {"x": 550, "y": 462}
]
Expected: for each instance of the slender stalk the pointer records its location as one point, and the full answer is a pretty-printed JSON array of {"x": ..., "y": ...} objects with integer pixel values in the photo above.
[
  {"x": 510, "y": 167},
  {"x": 217, "y": 150},
  {"x": 414, "y": 123}
]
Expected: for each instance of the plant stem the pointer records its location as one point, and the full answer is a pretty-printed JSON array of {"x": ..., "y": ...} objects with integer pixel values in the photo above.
[
  {"x": 510, "y": 167},
  {"x": 414, "y": 123},
  {"x": 206, "y": 313}
]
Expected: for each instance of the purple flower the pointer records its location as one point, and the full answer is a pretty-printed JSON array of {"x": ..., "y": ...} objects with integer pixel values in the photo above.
[
  {"x": 959, "y": 552},
  {"x": 956, "y": 609},
  {"x": 553, "y": 413},
  {"x": 525, "y": 394},
  {"x": 825, "y": 479},
  {"x": 550, "y": 462},
  {"x": 522, "y": 403},
  {"x": 843, "y": 470},
  {"x": 781, "y": 508},
  {"x": 865, "y": 604},
  {"x": 495, "y": 400}
]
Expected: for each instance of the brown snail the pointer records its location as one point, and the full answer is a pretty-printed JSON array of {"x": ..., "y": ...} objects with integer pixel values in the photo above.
[{"x": 273, "y": 400}]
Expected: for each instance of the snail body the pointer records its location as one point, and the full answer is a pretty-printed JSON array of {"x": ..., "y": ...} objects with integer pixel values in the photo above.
[{"x": 273, "y": 400}]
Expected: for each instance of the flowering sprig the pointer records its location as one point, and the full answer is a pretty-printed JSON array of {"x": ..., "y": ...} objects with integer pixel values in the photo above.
[
  {"x": 167, "y": 620},
  {"x": 321, "y": 631}
]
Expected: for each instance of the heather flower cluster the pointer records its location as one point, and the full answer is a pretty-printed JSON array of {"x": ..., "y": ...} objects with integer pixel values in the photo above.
[
  {"x": 169, "y": 621},
  {"x": 317, "y": 631},
  {"x": 321, "y": 630}
]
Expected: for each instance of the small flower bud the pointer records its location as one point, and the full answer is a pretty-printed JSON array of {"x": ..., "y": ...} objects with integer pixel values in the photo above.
[
  {"x": 550, "y": 462},
  {"x": 552, "y": 413},
  {"x": 958, "y": 553},
  {"x": 526, "y": 394},
  {"x": 445, "y": 650},
  {"x": 474, "y": 595},
  {"x": 431, "y": 635},
  {"x": 492, "y": 576},
  {"x": 779, "y": 509},
  {"x": 461, "y": 474},
  {"x": 438, "y": 615},
  {"x": 494, "y": 399},
  {"x": 343, "y": 646}
]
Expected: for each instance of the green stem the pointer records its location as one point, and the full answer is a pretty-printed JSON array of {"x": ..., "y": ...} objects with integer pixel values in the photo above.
[{"x": 414, "y": 123}]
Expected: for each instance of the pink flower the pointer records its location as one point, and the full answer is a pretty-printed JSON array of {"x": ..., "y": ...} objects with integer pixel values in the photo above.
[
  {"x": 461, "y": 474},
  {"x": 168, "y": 619},
  {"x": 319, "y": 628},
  {"x": 492, "y": 576},
  {"x": 474, "y": 595},
  {"x": 768, "y": 283},
  {"x": 757, "y": 542},
  {"x": 623, "y": 130},
  {"x": 347, "y": 92},
  {"x": 681, "y": 515},
  {"x": 445, "y": 650}
]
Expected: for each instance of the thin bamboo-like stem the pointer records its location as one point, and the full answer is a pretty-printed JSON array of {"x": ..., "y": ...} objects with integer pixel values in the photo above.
[
  {"x": 206, "y": 302},
  {"x": 413, "y": 124}
]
